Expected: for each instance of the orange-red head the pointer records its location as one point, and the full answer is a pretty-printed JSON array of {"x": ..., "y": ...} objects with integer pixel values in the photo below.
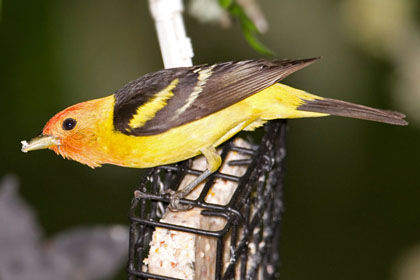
[{"x": 74, "y": 132}]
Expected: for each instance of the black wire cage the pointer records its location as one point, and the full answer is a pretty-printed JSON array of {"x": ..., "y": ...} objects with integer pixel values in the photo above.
[{"x": 252, "y": 215}]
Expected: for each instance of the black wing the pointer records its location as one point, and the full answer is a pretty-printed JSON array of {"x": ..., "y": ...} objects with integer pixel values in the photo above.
[{"x": 200, "y": 91}]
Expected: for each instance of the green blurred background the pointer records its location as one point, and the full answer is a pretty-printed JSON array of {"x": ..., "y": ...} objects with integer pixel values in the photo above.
[{"x": 352, "y": 187}]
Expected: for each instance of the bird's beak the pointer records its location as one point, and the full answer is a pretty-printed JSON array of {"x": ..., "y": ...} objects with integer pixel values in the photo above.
[{"x": 40, "y": 142}]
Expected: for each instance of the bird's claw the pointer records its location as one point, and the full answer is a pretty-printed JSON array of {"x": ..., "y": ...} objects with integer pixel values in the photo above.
[{"x": 174, "y": 201}]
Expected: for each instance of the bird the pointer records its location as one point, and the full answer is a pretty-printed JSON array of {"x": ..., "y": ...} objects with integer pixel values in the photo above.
[{"x": 175, "y": 114}]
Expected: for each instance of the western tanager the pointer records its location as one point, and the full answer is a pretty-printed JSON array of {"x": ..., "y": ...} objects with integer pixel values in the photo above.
[{"x": 175, "y": 114}]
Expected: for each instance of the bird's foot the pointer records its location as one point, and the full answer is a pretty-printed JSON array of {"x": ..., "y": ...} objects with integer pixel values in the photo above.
[{"x": 174, "y": 203}]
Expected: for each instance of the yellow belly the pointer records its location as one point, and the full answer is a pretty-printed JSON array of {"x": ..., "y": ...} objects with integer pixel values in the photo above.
[{"x": 177, "y": 144}]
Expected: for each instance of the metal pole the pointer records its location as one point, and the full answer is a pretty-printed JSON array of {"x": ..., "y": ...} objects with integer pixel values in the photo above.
[{"x": 175, "y": 46}]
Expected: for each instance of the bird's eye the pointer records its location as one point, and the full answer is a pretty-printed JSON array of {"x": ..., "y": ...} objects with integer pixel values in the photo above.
[{"x": 69, "y": 124}]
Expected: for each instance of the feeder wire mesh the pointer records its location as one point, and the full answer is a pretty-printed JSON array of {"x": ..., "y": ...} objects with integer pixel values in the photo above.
[{"x": 252, "y": 215}]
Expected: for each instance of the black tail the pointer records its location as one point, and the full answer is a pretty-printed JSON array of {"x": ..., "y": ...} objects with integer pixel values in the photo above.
[{"x": 347, "y": 109}]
